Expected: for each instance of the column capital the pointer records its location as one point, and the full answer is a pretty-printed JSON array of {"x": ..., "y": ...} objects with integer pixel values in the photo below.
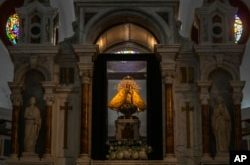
[
  {"x": 16, "y": 94},
  {"x": 16, "y": 99},
  {"x": 50, "y": 99},
  {"x": 204, "y": 91},
  {"x": 237, "y": 98},
  {"x": 237, "y": 91},
  {"x": 86, "y": 76},
  {"x": 237, "y": 85},
  {"x": 49, "y": 92},
  {"x": 204, "y": 98},
  {"x": 168, "y": 76}
]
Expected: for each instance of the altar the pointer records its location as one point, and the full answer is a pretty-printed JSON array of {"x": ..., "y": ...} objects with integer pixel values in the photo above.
[
  {"x": 126, "y": 88},
  {"x": 127, "y": 128}
]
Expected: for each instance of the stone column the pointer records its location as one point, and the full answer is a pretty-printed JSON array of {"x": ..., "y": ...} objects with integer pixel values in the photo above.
[
  {"x": 204, "y": 98},
  {"x": 16, "y": 98},
  {"x": 237, "y": 98},
  {"x": 49, "y": 98},
  {"x": 168, "y": 66},
  {"x": 85, "y": 114},
  {"x": 85, "y": 54},
  {"x": 169, "y": 115}
]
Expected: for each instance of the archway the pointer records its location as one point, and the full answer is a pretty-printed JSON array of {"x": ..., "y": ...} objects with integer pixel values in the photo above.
[{"x": 126, "y": 38}]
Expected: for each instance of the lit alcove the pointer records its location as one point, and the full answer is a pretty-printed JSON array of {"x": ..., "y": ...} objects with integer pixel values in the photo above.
[
  {"x": 126, "y": 112},
  {"x": 127, "y": 96},
  {"x": 127, "y": 86}
]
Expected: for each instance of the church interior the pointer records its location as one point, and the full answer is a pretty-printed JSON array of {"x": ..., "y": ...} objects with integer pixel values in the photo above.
[{"x": 124, "y": 82}]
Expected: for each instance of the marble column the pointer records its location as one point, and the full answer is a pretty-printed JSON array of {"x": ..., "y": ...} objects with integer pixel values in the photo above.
[
  {"x": 204, "y": 99},
  {"x": 237, "y": 98},
  {"x": 49, "y": 98},
  {"x": 85, "y": 115},
  {"x": 168, "y": 54},
  {"x": 86, "y": 54},
  {"x": 48, "y": 125},
  {"x": 16, "y": 98},
  {"x": 169, "y": 117}
]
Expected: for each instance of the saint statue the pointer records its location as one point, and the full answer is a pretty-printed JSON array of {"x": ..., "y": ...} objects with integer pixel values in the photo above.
[
  {"x": 221, "y": 124},
  {"x": 32, "y": 125},
  {"x": 127, "y": 100}
]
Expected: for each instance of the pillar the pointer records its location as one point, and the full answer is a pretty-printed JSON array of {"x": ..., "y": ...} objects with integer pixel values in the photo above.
[
  {"x": 168, "y": 54},
  {"x": 204, "y": 99},
  {"x": 237, "y": 98},
  {"x": 86, "y": 54},
  {"x": 49, "y": 98},
  {"x": 16, "y": 98},
  {"x": 169, "y": 116},
  {"x": 85, "y": 115}
]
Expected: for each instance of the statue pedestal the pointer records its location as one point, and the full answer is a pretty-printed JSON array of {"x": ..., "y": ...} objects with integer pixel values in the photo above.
[
  {"x": 29, "y": 158},
  {"x": 83, "y": 159},
  {"x": 29, "y": 162},
  {"x": 127, "y": 128},
  {"x": 171, "y": 158},
  {"x": 30, "y": 155}
]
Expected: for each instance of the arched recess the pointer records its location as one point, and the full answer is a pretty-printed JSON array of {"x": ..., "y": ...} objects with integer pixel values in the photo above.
[
  {"x": 126, "y": 35},
  {"x": 221, "y": 93},
  {"x": 21, "y": 72},
  {"x": 209, "y": 69},
  {"x": 32, "y": 87},
  {"x": 105, "y": 20}
]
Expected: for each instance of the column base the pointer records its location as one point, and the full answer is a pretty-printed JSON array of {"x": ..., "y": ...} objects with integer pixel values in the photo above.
[
  {"x": 83, "y": 159},
  {"x": 28, "y": 161},
  {"x": 46, "y": 157},
  {"x": 14, "y": 156},
  {"x": 133, "y": 162},
  {"x": 206, "y": 156},
  {"x": 170, "y": 158},
  {"x": 29, "y": 156}
]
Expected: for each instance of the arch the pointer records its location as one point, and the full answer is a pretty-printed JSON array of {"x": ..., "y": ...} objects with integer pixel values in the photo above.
[
  {"x": 116, "y": 36},
  {"x": 220, "y": 70},
  {"x": 228, "y": 68},
  {"x": 217, "y": 18},
  {"x": 105, "y": 20},
  {"x": 35, "y": 18},
  {"x": 20, "y": 73}
]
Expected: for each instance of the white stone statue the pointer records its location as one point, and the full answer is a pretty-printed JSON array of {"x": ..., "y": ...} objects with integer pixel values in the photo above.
[
  {"x": 32, "y": 126},
  {"x": 221, "y": 123}
]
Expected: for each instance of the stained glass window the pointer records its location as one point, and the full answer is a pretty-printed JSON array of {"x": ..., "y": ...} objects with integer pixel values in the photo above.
[
  {"x": 12, "y": 28},
  {"x": 238, "y": 28},
  {"x": 126, "y": 51}
]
